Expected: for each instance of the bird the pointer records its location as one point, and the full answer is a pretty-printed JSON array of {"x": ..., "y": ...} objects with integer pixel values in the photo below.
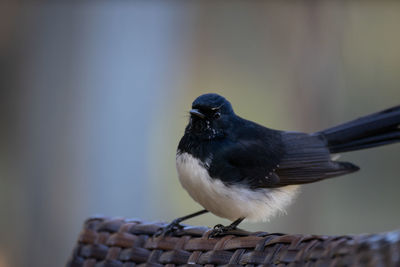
[{"x": 238, "y": 169}]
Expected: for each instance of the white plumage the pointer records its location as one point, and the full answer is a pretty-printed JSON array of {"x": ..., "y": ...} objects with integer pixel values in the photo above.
[{"x": 234, "y": 201}]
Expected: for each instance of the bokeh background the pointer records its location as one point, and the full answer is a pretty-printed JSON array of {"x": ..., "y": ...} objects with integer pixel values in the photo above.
[{"x": 94, "y": 99}]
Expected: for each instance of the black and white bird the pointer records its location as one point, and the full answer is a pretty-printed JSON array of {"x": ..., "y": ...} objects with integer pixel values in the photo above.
[{"x": 238, "y": 169}]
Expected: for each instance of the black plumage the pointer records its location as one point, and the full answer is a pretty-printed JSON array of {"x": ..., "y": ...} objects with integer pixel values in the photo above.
[{"x": 236, "y": 150}]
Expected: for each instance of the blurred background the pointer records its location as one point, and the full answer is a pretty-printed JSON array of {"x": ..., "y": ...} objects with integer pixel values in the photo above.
[{"x": 94, "y": 99}]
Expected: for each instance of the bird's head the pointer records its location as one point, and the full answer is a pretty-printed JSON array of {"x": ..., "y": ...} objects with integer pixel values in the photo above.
[{"x": 211, "y": 115}]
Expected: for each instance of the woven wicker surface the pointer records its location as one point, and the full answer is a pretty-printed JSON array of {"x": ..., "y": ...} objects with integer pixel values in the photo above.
[{"x": 125, "y": 243}]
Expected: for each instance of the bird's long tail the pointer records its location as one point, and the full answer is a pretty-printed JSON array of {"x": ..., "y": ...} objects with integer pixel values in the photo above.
[{"x": 377, "y": 129}]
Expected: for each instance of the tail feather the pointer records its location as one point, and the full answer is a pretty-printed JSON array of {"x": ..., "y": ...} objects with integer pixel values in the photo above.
[{"x": 373, "y": 130}]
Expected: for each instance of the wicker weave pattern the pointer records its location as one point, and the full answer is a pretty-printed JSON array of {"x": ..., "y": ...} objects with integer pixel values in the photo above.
[{"x": 126, "y": 243}]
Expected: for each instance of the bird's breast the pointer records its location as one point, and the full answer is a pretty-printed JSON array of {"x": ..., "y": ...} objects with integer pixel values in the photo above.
[{"x": 230, "y": 201}]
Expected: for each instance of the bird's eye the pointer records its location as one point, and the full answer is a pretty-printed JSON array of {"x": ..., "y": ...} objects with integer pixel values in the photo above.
[{"x": 217, "y": 115}]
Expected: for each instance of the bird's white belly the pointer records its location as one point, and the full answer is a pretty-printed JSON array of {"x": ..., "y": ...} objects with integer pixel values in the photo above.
[{"x": 233, "y": 201}]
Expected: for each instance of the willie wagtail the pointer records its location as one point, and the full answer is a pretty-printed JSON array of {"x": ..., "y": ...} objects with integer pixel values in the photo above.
[{"x": 238, "y": 169}]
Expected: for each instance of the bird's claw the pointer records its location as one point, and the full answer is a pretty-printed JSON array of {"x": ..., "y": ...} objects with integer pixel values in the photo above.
[
  {"x": 173, "y": 227},
  {"x": 220, "y": 229}
]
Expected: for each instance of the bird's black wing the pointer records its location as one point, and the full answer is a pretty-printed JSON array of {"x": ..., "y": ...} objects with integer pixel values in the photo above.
[
  {"x": 296, "y": 158},
  {"x": 307, "y": 159}
]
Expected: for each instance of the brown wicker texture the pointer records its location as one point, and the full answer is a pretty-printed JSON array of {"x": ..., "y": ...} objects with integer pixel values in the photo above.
[{"x": 126, "y": 243}]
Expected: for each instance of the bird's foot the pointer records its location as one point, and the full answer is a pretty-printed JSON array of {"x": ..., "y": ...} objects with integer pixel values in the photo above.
[
  {"x": 220, "y": 230},
  {"x": 171, "y": 228}
]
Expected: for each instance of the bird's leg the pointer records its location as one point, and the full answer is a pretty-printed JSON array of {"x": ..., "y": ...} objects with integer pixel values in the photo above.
[
  {"x": 219, "y": 229},
  {"x": 175, "y": 224}
]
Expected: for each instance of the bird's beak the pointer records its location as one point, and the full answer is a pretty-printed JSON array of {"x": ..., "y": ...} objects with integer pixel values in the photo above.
[{"x": 196, "y": 112}]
